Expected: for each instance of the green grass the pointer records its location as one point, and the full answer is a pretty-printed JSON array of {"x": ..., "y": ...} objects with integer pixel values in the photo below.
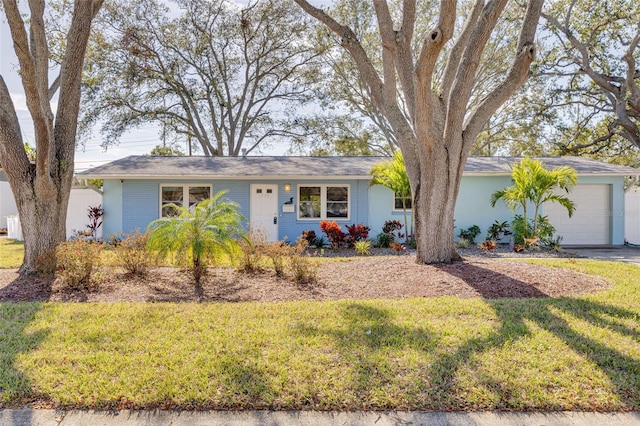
[
  {"x": 572, "y": 353},
  {"x": 11, "y": 253}
]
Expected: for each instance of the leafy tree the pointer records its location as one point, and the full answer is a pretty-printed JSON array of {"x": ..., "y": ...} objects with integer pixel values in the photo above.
[
  {"x": 42, "y": 188},
  {"x": 443, "y": 106},
  {"x": 533, "y": 183},
  {"x": 593, "y": 61},
  {"x": 393, "y": 175},
  {"x": 166, "y": 151},
  {"x": 349, "y": 146},
  {"x": 229, "y": 78},
  {"x": 198, "y": 235}
]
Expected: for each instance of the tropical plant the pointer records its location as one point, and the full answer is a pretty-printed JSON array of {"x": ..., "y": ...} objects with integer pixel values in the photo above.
[
  {"x": 533, "y": 183},
  {"x": 334, "y": 233},
  {"x": 470, "y": 233},
  {"x": 357, "y": 232},
  {"x": 498, "y": 230},
  {"x": 545, "y": 232},
  {"x": 393, "y": 175},
  {"x": 487, "y": 246},
  {"x": 198, "y": 235},
  {"x": 384, "y": 240},
  {"x": 363, "y": 248},
  {"x": 463, "y": 243}
]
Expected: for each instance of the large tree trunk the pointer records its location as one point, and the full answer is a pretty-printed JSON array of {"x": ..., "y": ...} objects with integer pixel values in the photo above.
[
  {"x": 435, "y": 201},
  {"x": 42, "y": 206},
  {"x": 43, "y": 220},
  {"x": 439, "y": 120},
  {"x": 41, "y": 189}
]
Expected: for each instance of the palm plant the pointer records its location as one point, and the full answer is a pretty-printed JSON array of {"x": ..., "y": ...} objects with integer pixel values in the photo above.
[
  {"x": 198, "y": 235},
  {"x": 533, "y": 183},
  {"x": 393, "y": 175}
]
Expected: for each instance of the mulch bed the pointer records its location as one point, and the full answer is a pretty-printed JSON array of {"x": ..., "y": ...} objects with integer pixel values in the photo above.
[{"x": 348, "y": 278}]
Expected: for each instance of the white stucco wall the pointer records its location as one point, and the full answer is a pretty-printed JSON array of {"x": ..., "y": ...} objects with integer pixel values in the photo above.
[
  {"x": 80, "y": 200},
  {"x": 7, "y": 203}
]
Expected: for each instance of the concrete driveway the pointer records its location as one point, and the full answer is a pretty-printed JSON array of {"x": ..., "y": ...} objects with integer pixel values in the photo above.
[{"x": 625, "y": 254}]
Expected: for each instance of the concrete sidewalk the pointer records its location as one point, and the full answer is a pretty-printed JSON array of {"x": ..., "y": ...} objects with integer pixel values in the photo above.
[{"x": 28, "y": 417}]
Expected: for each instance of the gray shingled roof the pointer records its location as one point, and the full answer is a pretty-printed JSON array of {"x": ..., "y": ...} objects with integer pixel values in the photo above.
[{"x": 143, "y": 166}]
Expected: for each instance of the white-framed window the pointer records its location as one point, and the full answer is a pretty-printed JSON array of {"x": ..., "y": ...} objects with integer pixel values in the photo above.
[
  {"x": 397, "y": 202},
  {"x": 328, "y": 201},
  {"x": 182, "y": 195}
]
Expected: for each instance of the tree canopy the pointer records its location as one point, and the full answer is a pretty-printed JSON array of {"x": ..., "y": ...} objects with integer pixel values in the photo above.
[{"x": 225, "y": 76}]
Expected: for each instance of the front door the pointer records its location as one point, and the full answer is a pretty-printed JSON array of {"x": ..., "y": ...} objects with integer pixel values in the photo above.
[{"x": 264, "y": 209}]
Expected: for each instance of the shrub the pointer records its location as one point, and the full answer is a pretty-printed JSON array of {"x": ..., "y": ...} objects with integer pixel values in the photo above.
[
  {"x": 398, "y": 248},
  {"x": 470, "y": 233},
  {"x": 545, "y": 230},
  {"x": 310, "y": 236},
  {"x": 487, "y": 246},
  {"x": 278, "y": 252},
  {"x": 131, "y": 253},
  {"x": 357, "y": 233},
  {"x": 384, "y": 240},
  {"x": 95, "y": 220},
  {"x": 363, "y": 248},
  {"x": 320, "y": 242},
  {"x": 75, "y": 263},
  {"x": 252, "y": 248},
  {"x": 498, "y": 230},
  {"x": 463, "y": 243},
  {"x": 46, "y": 263},
  {"x": 305, "y": 269},
  {"x": 334, "y": 233},
  {"x": 391, "y": 226}
]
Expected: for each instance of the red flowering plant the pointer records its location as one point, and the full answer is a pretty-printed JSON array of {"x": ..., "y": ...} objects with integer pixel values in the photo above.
[
  {"x": 357, "y": 232},
  {"x": 487, "y": 246},
  {"x": 334, "y": 233},
  {"x": 398, "y": 248}
]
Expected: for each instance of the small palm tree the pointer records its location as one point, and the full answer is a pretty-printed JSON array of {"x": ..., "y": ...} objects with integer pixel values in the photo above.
[
  {"x": 533, "y": 183},
  {"x": 198, "y": 235},
  {"x": 393, "y": 175}
]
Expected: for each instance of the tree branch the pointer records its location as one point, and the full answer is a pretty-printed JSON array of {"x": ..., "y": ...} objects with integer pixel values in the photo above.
[{"x": 516, "y": 77}]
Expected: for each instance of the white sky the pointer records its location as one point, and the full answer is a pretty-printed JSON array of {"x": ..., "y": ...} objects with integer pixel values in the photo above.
[{"x": 135, "y": 142}]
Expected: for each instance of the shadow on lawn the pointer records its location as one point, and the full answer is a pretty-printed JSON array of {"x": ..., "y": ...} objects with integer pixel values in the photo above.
[
  {"x": 15, "y": 318},
  {"x": 369, "y": 331}
]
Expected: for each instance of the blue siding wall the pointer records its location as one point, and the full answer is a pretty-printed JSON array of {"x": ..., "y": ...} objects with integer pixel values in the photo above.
[
  {"x": 474, "y": 203},
  {"x": 381, "y": 209},
  {"x": 140, "y": 199},
  {"x": 133, "y": 204},
  {"x": 291, "y": 227},
  {"x": 112, "y": 204}
]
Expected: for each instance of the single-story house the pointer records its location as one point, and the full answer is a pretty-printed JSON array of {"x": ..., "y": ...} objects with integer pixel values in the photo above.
[{"x": 287, "y": 195}]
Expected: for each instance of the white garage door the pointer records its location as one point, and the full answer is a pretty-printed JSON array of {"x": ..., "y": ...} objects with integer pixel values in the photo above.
[{"x": 590, "y": 223}]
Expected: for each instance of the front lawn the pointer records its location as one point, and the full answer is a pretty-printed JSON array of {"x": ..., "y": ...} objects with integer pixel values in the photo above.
[
  {"x": 570, "y": 353},
  {"x": 11, "y": 253}
]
